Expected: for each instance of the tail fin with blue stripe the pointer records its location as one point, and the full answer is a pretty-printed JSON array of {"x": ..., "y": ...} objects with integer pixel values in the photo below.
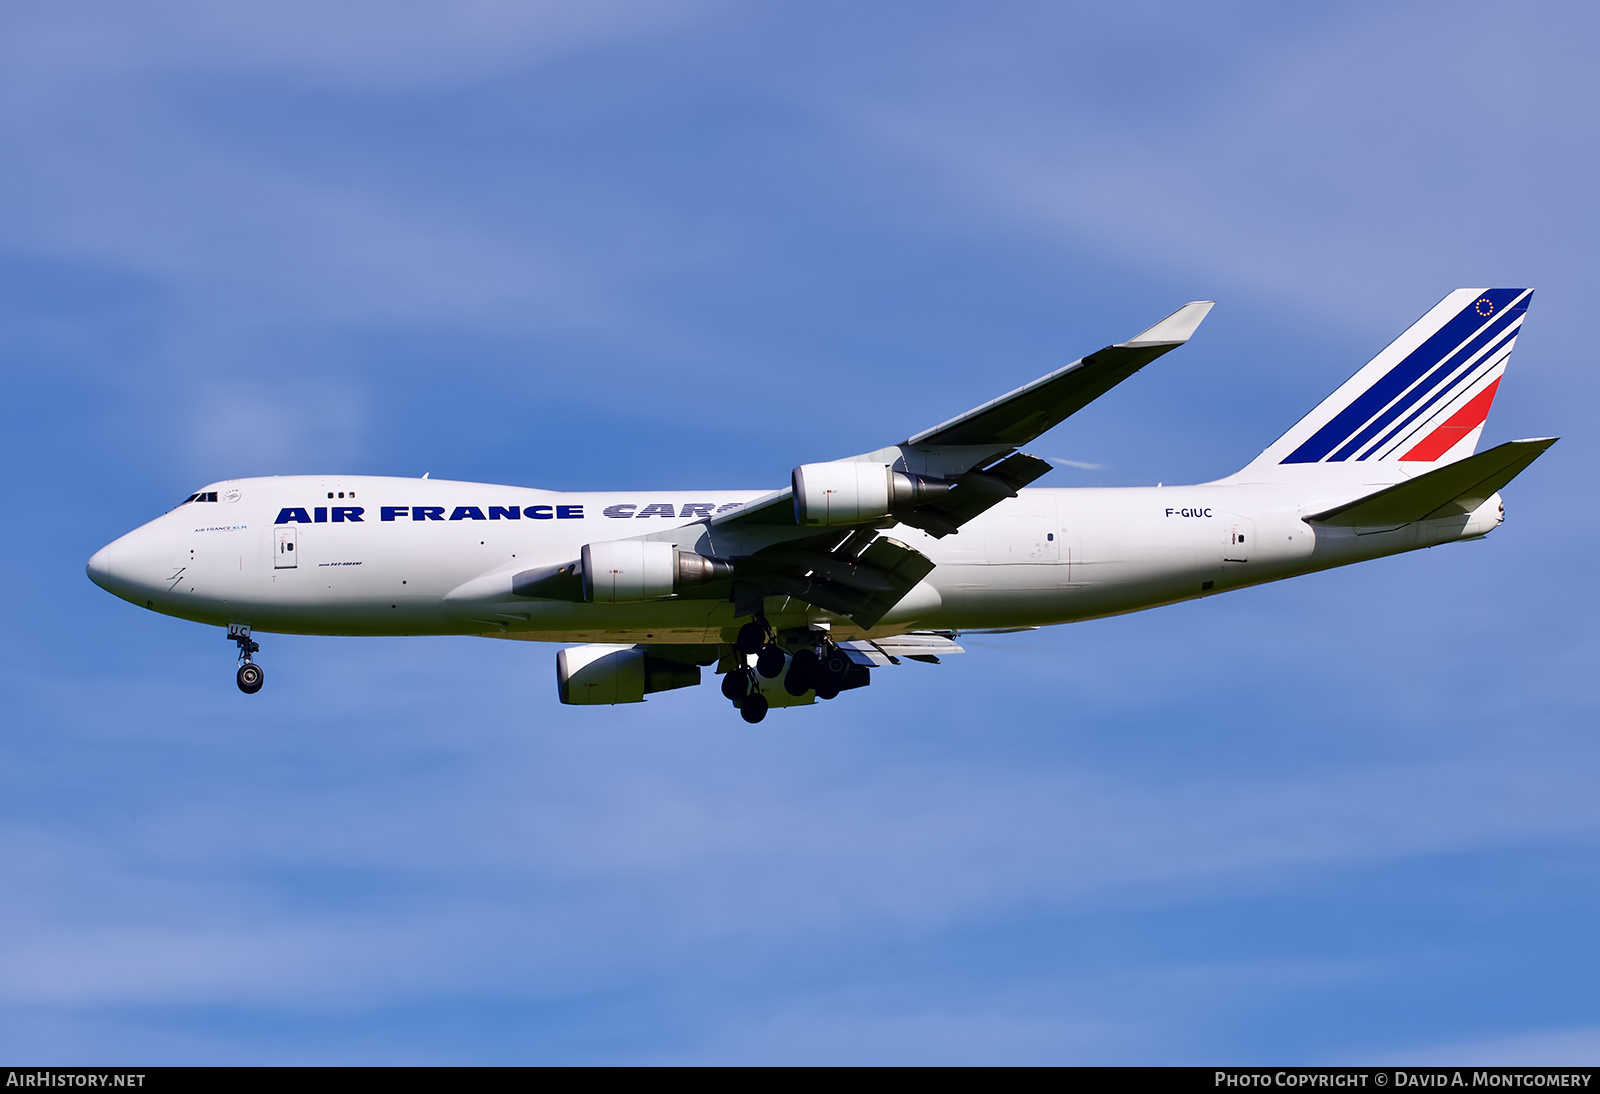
[{"x": 1424, "y": 399}]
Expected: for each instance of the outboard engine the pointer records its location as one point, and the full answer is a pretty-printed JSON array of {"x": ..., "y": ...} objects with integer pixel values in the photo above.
[
  {"x": 853, "y": 491},
  {"x": 600, "y": 674}
]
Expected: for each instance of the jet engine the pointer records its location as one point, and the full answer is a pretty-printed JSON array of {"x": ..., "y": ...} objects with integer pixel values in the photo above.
[
  {"x": 601, "y": 674},
  {"x": 629, "y": 569},
  {"x": 853, "y": 491}
]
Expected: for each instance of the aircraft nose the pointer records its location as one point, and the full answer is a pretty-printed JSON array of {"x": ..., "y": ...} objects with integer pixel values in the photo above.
[
  {"x": 99, "y": 568},
  {"x": 132, "y": 567}
]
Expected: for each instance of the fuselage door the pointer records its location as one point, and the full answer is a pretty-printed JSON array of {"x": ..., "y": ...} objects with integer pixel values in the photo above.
[
  {"x": 283, "y": 557},
  {"x": 1241, "y": 538}
]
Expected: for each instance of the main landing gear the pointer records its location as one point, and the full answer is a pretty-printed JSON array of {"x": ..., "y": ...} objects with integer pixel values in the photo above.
[
  {"x": 740, "y": 684},
  {"x": 818, "y": 666},
  {"x": 825, "y": 671},
  {"x": 250, "y": 677}
]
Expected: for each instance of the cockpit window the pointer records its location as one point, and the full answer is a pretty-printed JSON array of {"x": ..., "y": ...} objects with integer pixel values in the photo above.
[{"x": 204, "y": 495}]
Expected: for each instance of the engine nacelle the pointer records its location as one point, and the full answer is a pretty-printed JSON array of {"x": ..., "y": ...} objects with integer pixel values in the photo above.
[
  {"x": 629, "y": 569},
  {"x": 600, "y": 674},
  {"x": 854, "y": 491}
]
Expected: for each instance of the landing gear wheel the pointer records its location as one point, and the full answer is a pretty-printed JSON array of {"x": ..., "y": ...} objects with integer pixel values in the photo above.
[
  {"x": 802, "y": 675},
  {"x": 753, "y": 708},
  {"x": 736, "y": 684},
  {"x": 770, "y": 661},
  {"x": 752, "y": 636},
  {"x": 250, "y": 677},
  {"x": 827, "y": 687},
  {"x": 835, "y": 665}
]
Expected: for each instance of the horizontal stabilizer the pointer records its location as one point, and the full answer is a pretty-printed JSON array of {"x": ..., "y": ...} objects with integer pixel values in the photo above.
[{"x": 1453, "y": 490}]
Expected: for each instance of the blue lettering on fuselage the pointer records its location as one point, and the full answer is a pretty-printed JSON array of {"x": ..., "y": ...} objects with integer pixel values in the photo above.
[
  {"x": 694, "y": 510},
  {"x": 353, "y": 514}
]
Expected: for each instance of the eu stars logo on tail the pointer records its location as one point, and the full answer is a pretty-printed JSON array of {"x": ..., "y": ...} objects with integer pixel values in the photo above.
[{"x": 1423, "y": 399}]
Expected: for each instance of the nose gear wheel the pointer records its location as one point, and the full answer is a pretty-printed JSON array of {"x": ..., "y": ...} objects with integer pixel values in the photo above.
[{"x": 250, "y": 677}]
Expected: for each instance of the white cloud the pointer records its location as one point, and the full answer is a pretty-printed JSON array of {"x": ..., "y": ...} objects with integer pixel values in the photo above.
[
  {"x": 454, "y": 862},
  {"x": 113, "y": 161},
  {"x": 352, "y": 43},
  {"x": 1359, "y": 155},
  {"x": 1569, "y": 1047}
]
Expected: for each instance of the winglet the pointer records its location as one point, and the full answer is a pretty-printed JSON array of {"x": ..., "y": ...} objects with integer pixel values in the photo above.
[{"x": 1175, "y": 329}]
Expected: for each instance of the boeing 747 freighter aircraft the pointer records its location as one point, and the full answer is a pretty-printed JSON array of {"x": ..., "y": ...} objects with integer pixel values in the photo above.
[{"x": 797, "y": 594}]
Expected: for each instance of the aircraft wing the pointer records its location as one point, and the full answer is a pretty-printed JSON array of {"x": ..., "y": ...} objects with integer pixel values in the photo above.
[
  {"x": 854, "y": 572},
  {"x": 976, "y": 453},
  {"x": 926, "y": 646},
  {"x": 951, "y": 473},
  {"x": 1021, "y": 415}
]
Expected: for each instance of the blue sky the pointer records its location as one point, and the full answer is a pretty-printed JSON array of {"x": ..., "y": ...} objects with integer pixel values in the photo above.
[{"x": 1348, "y": 818}]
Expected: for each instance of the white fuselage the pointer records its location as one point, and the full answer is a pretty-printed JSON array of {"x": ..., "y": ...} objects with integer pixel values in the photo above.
[{"x": 368, "y": 555}]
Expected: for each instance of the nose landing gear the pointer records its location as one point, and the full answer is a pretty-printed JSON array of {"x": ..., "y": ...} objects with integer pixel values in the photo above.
[{"x": 249, "y": 677}]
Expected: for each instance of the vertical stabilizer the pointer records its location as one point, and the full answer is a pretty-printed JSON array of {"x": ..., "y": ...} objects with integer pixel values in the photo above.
[{"x": 1424, "y": 399}]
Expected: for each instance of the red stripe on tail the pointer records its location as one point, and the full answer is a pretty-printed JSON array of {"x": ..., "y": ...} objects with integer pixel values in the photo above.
[{"x": 1461, "y": 423}]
